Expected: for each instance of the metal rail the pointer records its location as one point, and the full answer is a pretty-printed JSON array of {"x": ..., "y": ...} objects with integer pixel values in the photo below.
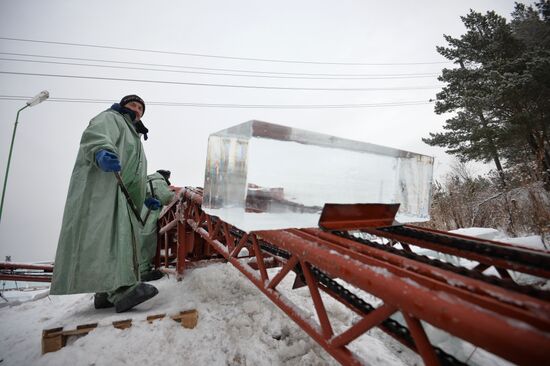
[
  {"x": 486, "y": 311},
  {"x": 14, "y": 271},
  {"x": 491, "y": 253},
  {"x": 472, "y": 273}
]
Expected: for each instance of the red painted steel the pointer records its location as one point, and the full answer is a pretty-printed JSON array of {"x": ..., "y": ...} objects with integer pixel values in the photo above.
[
  {"x": 487, "y": 315},
  {"x": 48, "y": 268},
  {"x": 529, "y": 309},
  {"x": 14, "y": 271},
  {"x": 368, "y": 322},
  {"x": 490, "y": 261},
  {"x": 27, "y": 278},
  {"x": 422, "y": 342},
  {"x": 357, "y": 216},
  {"x": 482, "y": 327}
]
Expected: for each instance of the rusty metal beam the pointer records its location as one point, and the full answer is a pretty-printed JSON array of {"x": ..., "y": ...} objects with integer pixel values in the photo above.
[
  {"x": 506, "y": 263},
  {"x": 15, "y": 271},
  {"x": 17, "y": 265},
  {"x": 485, "y": 328},
  {"x": 368, "y": 322},
  {"x": 357, "y": 216},
  {"x": 28, "y": 278},
  {"x": 342, "y": 354},
  {"x": 489, "y": 316},
  {"x": 532, "y": 310}
]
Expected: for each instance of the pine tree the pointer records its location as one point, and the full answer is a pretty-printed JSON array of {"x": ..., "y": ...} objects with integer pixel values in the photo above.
[{"x": 499, "y": 90}]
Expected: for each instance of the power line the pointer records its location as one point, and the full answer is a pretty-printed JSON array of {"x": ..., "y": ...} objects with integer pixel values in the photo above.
[
  {"x": 217, "y": 85},
  {"x": 234, "y": 106},
  {"x": 222, "y": 57},
  {"x": 221, "y": 74},
  {"x": 221, "y": 69}
]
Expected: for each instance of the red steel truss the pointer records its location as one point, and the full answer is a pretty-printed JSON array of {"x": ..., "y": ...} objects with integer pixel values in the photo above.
[{"x": 494, "y": 313}]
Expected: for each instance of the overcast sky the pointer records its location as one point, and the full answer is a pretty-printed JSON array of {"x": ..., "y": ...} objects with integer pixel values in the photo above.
[{"x": 285, "y": 41}]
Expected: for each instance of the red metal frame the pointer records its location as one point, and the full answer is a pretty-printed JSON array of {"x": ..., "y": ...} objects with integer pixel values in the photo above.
[
  {"x": 501, "y": 265},
  {"x": 486, "y": 315},
  {"x": 13, "y": 271}
]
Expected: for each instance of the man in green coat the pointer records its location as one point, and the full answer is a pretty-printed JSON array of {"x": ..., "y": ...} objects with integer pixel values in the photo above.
[
  {"x": 157, "y": 187},
  {"x": 98, "y": 247}
]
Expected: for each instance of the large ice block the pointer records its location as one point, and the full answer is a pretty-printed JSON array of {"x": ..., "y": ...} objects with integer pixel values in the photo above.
[{"x": 262, "y": 176}]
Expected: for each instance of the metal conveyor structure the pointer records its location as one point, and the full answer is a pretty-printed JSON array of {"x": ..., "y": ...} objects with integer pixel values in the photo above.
[{"x": 491, "y": 312}]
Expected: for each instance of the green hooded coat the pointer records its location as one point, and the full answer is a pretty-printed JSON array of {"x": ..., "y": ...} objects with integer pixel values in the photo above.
[
  {"x": 149, "y": 232},
  {"x": 98, "y": 244}
]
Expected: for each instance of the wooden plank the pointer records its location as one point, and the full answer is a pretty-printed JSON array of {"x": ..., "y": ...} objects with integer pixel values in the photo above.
[
  {"x": 52, "y": 340},
  {"x": 151, "y": 318},
  {"x": 188, "y": 318},
  {"x": 56, "y": 338},
  {"x": 122, "y": 324}
]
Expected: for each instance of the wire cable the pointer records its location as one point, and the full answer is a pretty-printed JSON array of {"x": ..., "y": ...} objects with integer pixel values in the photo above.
[
  {"x": 219, "y": 56},
  {"x": 220, "y": 69},
  {"x": 219, "y": 74},
  {"x": 234, "y": 106},
  {"x": 219, "y": 85}
]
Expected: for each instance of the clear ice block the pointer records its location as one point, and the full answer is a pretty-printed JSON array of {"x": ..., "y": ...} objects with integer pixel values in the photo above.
[{"x": 263, "y": 176}]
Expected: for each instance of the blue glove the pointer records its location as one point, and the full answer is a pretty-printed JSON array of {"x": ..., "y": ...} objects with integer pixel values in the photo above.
[
  {"x": 152, "y": 203},
  {"x": 107, "y": 161}
]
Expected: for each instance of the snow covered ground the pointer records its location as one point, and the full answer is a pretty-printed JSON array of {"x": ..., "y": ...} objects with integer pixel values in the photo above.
[{"x": 237, "y": 325}]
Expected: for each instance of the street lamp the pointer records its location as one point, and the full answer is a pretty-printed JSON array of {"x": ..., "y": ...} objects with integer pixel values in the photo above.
[{"x": 39, "y": 98}]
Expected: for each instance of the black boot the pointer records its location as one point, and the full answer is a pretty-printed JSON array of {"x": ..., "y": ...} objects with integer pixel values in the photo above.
[
  {"x": 142, "y": 292},
  {"x": 152, "y": 275},
  {"x": 101, "y": 301}
]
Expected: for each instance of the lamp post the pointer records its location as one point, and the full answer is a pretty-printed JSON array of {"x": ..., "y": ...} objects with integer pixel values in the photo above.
[{"x": 39, "y": 98}]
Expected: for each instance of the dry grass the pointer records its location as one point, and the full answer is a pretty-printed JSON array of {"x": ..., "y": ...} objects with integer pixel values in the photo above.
[{"x": 464, "y": 201}]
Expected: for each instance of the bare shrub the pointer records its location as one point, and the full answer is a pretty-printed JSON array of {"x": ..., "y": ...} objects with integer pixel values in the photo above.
[{"x": 463, "y": 200}]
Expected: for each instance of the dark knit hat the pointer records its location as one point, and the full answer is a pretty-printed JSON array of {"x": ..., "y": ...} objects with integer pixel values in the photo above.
[
  {"x": 165, "y": 174},
  {"x": 132, "y": 98}
]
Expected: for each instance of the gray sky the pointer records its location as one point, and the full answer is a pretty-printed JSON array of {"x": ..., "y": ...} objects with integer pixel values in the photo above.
[{"x": 378, "y": 38}]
